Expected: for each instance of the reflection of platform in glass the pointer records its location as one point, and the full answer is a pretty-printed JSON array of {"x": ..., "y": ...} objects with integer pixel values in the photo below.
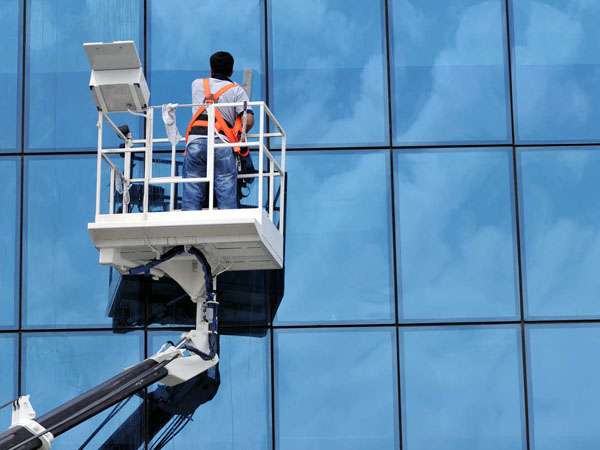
[{"x": 231, "y": 239}]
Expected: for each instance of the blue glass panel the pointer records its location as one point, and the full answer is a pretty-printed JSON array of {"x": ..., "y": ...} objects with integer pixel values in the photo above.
[
  {"x": 556, "y": 58},
  {"x": 179, "y": 54},
  {"x": 328, "y": 78},
  {"x": 338, "y": 242},
  {"x": 60, "y": 111},
  {"x": 456, "y": 254},
  {"x": 60, "y": 366},
  {"x": 9, "y": 241},
  {"x": 560, "y": 212},
  {"x": 336, "y": 389},
  {"x": 462, "y": 388},
  {"x": 239, "y": 414},
  {"x": 9, "y": 63},
  {"x": 64, "y": 284},
  {"x": 449, "y": 73},
  {"x": 8, "y": 376},
  {"x": 564, "y": 387}
]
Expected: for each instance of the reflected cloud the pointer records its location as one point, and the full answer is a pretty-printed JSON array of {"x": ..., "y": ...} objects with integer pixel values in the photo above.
[
  {"x": 8, "y": 242},
  {"x": 557, "y": 69},
  {"x": 560, "y": 230},
  {"x": 328, "y": 72},
  {"x": 462, "y": 388},
  {"x": 322, "y": 384},
  {"x": 64, "y": 284},
  {"x": 456, "y": 241},
  {"x": 338, "y": 244},
  {"x": 450, "y": 78}
]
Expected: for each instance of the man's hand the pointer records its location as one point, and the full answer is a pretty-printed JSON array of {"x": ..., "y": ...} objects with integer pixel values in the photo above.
[{"x": 249, "y": 121}]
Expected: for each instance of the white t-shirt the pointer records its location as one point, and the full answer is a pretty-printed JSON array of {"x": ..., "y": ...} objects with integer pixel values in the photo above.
[{"x": 233, "y": 95}]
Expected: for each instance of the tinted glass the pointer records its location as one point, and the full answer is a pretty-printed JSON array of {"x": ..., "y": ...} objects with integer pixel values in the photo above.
[
  {"x": 455, "y": 235},
  {"x": 60, "y": 111},
  {"x": 9, "y": 64},
  {"x": 336, "y": 389},
  {"x": 59, "y": 367},
  {"x": 239, "y": 414},
  {"x": 449, "y": 73},
  {"x": 564, "y": 386},
  {"x": 338, "y": 255},
  {"x": 560, "y": 212},
  {"x": 179, "y": 54},
  {"x": 8, "y": 375},
  {"x": 462, "y": 388},
  {"x": 328, "y": 84},
  {"x": 9, "y": 241},
  {"x": 64, "y": 284},
  {"x": 556, "y": 55}
]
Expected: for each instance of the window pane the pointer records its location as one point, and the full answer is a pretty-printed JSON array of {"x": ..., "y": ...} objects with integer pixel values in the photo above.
[
  {"x": 556, "y": 50},
  {"x": 328, "y": 84},
  {"x": 9, "y": 62},
  {"x": 60, "y": 111},
  {"x": 179, "y": 54},
  {"x": 64, "y": 284},
  {"x": 336, "y": 389},
  {"x": 462, "y": 388},
  {"x": 454, "y": 213},
  {"x": 9, "y": 241},
  {"x": 564, "y": 386},
  {"x": 239, "y": 416},
  {"x": 60, "y": 366},
  {"x": 8, "y": 375},
  {"x": 449, "y": 73},
  {"x": 560, "y": 212},
  {"x": 338, "y": 242}
]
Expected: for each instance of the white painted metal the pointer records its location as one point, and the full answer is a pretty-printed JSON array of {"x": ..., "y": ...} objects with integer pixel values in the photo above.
[
  {"x": 117, "y": 80},
  {"x": 24, "y": 415}
]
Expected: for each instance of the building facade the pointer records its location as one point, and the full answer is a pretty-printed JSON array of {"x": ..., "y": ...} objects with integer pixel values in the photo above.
[{"x": 443, "y": 219}]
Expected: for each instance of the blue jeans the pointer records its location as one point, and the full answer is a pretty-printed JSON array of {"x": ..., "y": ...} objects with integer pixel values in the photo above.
[{"x": 194, "y": 166}]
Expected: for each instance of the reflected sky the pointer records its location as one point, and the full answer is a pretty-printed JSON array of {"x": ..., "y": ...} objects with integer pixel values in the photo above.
[
  {"x": 328, "y": 84},
  {"x": 179, "y": 54},
  {"x": 560, "y": 212},
  {"x": 238, "y": 417},
  {"x": 338, "y": 238},
  {"x": 9, "y": 174},
  {"x": 60, "y": 366},
  {"x": 449, "y": 71},
  {"x": 563, "y": 401},
  {"x": 455, "y": 235},
  {"x": 336, "y": 389},
  {"x": 60, "y": 109},
  {"x": 462, "y": 388},
  {"x": 9, "y": 62},
  {"x": 8, "y": 376},
  {"x": 556, "y": 68},
  {"x": 64, "y": 284}
]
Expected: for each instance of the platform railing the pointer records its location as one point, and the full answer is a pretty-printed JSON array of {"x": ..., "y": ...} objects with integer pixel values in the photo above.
[{"x": 122, "y": 179}]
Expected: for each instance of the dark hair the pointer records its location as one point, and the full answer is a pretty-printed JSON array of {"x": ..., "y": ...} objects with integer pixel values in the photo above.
[{"x": 221, "y": 63}]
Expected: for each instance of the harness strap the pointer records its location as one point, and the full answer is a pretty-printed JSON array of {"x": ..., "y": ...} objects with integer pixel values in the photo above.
[{"x": 200, "y": 118}]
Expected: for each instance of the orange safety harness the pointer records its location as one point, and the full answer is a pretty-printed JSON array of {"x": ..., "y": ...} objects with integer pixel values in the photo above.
[{"x": 199, "y": 123}]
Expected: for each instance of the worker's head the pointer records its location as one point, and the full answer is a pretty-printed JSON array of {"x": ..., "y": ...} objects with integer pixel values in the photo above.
[{"x": 221, "y": 63}]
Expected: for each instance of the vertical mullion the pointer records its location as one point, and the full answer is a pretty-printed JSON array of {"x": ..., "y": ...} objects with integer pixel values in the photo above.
[
  {"x": 388, "y": 54},
  {"x": 517, "y": 221},
  {"x": 266, "y": 85},
  {"x": 21, "y": 190}
]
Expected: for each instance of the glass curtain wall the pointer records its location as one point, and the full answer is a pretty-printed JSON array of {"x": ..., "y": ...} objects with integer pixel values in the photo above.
[{"x": 442, "y": 233}]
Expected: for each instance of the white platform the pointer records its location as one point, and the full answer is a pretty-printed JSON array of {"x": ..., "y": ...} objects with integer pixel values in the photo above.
[{"x": 233, "y": 239}]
